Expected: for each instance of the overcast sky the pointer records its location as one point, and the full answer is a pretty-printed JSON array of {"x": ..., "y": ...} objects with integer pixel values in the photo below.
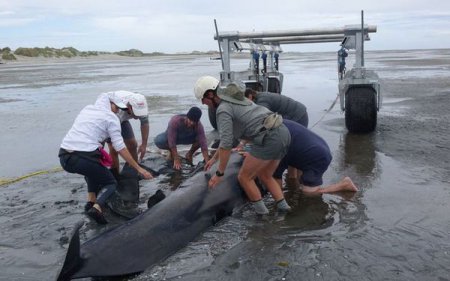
[{"x": 186, "y": 25}]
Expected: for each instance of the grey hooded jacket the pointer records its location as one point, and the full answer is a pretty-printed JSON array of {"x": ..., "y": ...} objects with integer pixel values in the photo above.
[{"x": 288, "y": 108}]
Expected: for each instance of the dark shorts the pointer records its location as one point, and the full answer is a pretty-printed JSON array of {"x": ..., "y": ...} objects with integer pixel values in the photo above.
[
  {"x": 127, "y": 130},
  {"x": 312, "y": 174},
  {"x": 313, "y": 177},
  {"x": 96, "y": 175}
]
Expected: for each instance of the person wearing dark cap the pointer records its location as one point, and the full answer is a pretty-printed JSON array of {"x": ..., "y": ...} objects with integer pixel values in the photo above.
[{"x": 184, "y": 129}]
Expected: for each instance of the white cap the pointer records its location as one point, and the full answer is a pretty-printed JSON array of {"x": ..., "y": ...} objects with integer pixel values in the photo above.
[
  {"x": 117, "y": 100},
  {"x": 204, "y": 84},
  {"x": 138, "y": 104}
]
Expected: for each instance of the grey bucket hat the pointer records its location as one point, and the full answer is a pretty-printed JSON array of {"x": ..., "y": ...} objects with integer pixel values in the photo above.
[{"x": 234, "y": 93}]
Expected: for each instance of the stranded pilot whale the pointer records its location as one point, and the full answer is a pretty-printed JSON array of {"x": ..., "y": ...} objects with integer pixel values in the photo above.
[{"x": 158, "y": 232}]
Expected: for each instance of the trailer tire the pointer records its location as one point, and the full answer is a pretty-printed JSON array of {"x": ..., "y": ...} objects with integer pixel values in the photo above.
[
  {"x": 274, "y": 86},
  {"x": 212, "y": 117},
  {"x": 360, "y": 109}
]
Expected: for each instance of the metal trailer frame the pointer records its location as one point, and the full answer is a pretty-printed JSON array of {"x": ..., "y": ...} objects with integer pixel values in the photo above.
[
  {"x": 252, "y": 77},
  {"x": 359, "y": 89},
  {"x": 269, "y": 42}
]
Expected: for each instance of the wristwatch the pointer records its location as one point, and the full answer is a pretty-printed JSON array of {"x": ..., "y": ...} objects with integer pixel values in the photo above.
[{"x": 219, "y": 174}]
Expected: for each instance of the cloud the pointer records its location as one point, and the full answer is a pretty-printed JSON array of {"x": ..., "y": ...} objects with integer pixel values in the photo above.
[
  {"x": 16, "y": 22},
  {"x": 179, "y": 25},
  {"x": 6, "y": 13}
]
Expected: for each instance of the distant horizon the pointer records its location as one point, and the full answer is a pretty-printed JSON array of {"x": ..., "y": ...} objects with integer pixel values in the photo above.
[{"x": 216, "y": 51}]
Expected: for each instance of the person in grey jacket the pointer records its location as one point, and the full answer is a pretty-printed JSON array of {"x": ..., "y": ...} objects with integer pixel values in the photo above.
[
  {"x": 238, "y": 117},
  {"x": 288, "y": 108}
]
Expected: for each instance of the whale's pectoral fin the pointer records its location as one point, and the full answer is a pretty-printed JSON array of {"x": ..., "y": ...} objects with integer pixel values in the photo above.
[{"x": 155, "y": 198}]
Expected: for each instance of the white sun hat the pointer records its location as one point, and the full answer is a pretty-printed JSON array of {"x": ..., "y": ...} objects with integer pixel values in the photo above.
[{"x": 138, "y": 103}]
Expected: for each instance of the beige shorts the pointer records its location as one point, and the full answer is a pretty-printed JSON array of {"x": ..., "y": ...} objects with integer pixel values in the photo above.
[{"x": 272, "y": 145}]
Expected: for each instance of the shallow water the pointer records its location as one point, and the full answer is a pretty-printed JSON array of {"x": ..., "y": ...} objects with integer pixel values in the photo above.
[{"x": 395, "y": 228}]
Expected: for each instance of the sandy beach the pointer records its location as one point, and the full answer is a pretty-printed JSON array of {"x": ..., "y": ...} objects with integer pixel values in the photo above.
[{"x": 395, "y": 228}]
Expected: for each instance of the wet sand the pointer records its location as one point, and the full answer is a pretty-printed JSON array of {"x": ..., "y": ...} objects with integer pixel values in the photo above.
[{"x": 395, "y": 228}]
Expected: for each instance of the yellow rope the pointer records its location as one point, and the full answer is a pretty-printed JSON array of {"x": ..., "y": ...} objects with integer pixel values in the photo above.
[{"x": 4, "y": 181}]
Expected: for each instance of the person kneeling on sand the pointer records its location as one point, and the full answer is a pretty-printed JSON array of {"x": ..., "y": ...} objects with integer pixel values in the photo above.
[
  {"x": 239, "y": 118},
  {"x": 288, "y": 108},
  {"x": 310, "y": 153},
  {"x": 81, "y": 151},
  {"x": 184, "y": 129}
]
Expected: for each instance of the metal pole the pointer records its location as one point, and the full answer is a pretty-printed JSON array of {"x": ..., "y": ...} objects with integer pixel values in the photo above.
[
  {"x": 218, "y": 42},
  {"x": 362, "y": 38},
  {"x": 235, "y": 35}
]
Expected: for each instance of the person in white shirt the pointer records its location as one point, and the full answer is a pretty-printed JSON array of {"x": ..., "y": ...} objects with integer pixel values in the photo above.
[
  {"x": 136, "y": 108},
  {"x": 80, "y": 151}
]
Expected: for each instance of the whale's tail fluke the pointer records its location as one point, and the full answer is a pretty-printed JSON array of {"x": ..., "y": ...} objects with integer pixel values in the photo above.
[{"x": 73, "y": 260}]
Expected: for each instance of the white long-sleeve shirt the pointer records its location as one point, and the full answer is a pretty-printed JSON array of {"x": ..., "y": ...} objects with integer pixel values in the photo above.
[{"x": 93, "y": 125}]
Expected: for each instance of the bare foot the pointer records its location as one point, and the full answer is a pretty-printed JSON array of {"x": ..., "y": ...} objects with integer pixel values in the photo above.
[{"x": 349, "y": 185}]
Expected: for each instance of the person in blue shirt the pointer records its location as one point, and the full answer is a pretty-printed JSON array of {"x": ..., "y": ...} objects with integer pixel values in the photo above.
[
  {"x": 310, "y": 153},
  {"x": 342, "y": 54},
  {"x": 288, "y": 108}
]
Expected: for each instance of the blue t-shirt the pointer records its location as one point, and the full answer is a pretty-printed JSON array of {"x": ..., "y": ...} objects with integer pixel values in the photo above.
[
  {"x": 342, "y": 54},
  {"x": 307, "y": 151}
]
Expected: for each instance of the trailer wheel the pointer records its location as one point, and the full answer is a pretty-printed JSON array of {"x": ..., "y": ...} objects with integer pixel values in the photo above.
[
  {"x": 274, "y": 86},
  {"x": 212, "y": 117},
  {"x": 360, "y": 110}
]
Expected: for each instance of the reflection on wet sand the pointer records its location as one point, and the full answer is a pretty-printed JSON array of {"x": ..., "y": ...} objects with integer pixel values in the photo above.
[
  {"x": 308, "y": 213},
  {"x": 358, "y": 158}
]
